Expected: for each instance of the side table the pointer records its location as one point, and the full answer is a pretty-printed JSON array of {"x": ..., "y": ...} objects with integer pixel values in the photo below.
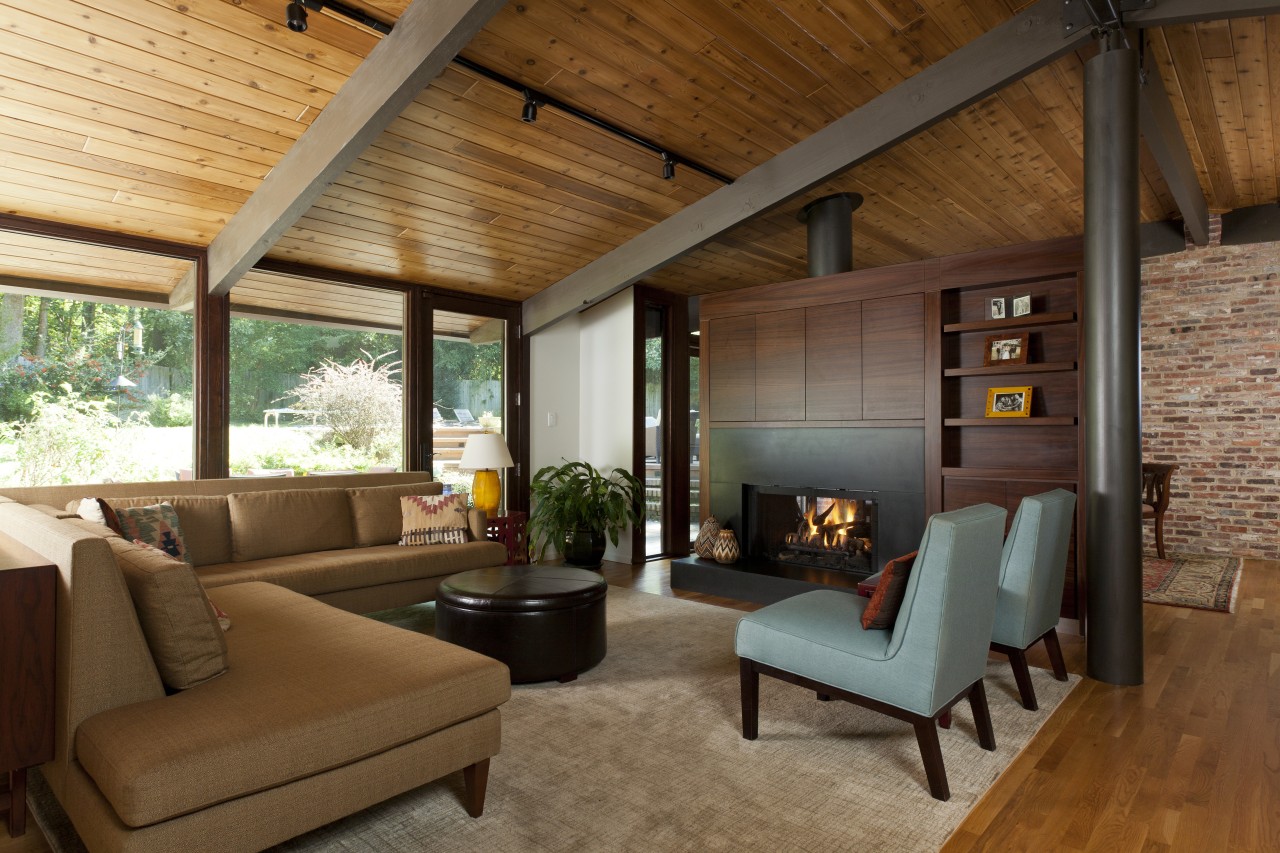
[
  {"x": 27, "y": 594},
  {"x": 509, "y": 529}
]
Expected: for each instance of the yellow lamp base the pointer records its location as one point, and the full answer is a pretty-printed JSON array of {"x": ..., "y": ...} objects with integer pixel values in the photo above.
[{"x": 486, "y": 491}]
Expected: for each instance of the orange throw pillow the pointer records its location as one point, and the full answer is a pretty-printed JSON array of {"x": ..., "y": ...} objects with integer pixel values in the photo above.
[{"x": 882, "y": 610}]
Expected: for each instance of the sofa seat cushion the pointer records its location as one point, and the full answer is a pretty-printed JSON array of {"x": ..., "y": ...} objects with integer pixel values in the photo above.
[
  {"x": 310, "y": 688},
  {"x": 353, "y": 568}
]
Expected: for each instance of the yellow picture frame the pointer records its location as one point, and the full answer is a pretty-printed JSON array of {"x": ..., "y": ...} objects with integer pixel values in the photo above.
[{"x": 1011, "y": 402}]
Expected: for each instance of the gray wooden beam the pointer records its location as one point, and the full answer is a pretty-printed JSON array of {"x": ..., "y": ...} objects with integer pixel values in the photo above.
[
  {"x": 424, "y": 39},
  {"x": 83, "y": 292},
  {"x": 986, "y": 64},
  {"x": 1257, "y": 224},
  {"x": 183, "y": 295},
  {"x": 1164, "y": 138},
  {"x": 1012, "y": 50}
]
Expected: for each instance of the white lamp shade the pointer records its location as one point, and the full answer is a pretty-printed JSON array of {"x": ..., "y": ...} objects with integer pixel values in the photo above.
[{"x": 484, "y": 451}]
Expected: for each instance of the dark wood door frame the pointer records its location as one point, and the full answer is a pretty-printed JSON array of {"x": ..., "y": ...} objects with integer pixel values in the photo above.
[{"x": 674, "y": 428}]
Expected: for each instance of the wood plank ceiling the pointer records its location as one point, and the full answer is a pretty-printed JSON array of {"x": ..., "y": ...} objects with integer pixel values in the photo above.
[{"x": 159, "y": 118}]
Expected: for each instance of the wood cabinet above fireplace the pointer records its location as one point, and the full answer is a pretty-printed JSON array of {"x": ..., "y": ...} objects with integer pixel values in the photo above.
[{"x": 841, "y": 363}]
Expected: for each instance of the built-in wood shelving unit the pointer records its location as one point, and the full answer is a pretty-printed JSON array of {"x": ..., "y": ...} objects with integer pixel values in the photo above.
[
  {"x": 1000, "y": 369},
  {"x": 1017, "y": 422},
  {"x": 1028, "y": 321}
]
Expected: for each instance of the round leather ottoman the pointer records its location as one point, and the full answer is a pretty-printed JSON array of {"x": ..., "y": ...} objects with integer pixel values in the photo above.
[{"x": 543, "y": 622}]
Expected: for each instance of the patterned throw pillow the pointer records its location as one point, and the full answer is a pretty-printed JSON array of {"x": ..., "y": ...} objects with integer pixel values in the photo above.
[
  {"x": 433, "y": 519},
  {"x": 224, "y": 620},
  {"x": 156, "y": 525},
  {"x": 882, "y": 610}
]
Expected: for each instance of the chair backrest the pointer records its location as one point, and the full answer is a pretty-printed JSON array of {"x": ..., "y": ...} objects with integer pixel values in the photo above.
[
  {"x": 1033, "y": 566},
  {"x": 943, "y": 628},
  {"x": 1155, "y": 484}
]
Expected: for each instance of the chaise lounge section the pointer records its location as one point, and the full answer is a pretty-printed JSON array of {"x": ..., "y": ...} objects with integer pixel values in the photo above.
[{"x": 319, "y": 713}]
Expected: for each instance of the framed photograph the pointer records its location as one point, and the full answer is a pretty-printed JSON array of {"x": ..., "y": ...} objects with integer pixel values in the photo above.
[
  {"x": 998, "y": 307},
  {"x": 1012, "y": 402},
  {"x": 1005, "y": 349},
  {"x": 1020, "y": 305}
]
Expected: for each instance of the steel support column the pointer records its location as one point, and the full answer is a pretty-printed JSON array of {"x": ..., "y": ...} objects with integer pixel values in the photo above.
[{"x": 1112, "y": 404}]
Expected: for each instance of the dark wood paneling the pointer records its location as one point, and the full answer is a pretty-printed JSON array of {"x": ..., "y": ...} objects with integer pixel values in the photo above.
[
  {"x": 1014, "y": 263},
  {"x": 833, "y": 362},
  {"x": 731, "y": 368},
  {"x": 780, "y": 365},
  {"x": 893, "y": 357},
  {"x": 27, "y": 595},
  {"x": 877, "y": 283},
  {"x": 1008, "y": 446},
  {"x": 959, "y": 493}
]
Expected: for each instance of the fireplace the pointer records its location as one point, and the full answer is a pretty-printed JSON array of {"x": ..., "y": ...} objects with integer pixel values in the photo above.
[{"x": 831, "y": 529}]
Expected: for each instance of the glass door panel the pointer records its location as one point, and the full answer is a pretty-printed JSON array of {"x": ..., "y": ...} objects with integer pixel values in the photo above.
[{"x": 468, "y": 391}]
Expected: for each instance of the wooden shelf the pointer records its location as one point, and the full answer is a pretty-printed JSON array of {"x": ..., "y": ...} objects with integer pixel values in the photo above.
[
  {"x": 1050, "y": 474},
  {"x": 1030, "y": 321},
  {"x": 997, "y": 369},
  {"x": 980, "y": 422}
]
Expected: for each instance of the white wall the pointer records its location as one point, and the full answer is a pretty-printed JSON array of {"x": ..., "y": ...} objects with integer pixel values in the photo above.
[{"x": 580, "y": 378}]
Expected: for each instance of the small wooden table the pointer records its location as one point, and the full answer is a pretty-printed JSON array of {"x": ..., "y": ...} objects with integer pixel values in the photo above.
[{"x": 27, "y": 595}]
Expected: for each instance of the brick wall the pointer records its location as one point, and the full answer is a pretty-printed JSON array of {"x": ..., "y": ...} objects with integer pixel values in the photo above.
[{"x": 1211, "y": 394}]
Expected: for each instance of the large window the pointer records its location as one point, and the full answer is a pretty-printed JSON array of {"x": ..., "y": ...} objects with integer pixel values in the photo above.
[
  {"x": 93, "y": 392},
  {"x": 316, "y": 395},
  {"x": 468, "y": 389}
]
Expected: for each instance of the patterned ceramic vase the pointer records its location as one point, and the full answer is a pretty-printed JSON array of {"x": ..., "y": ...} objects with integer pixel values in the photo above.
[
  {"x": 726, "y": 549},
  {"x": 704, "y": 545}
]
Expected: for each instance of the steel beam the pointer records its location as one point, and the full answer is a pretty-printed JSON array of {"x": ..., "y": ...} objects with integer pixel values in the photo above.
[
  {"x": 1165, "y": 140},
  {"x": 1112, "y": 390}
]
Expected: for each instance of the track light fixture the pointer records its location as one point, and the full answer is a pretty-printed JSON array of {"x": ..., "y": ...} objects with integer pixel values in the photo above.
[
  {"x": 296, "y": 16},
  {"x": 530, "y": 111},
  {"x": 668, "y": 167}
]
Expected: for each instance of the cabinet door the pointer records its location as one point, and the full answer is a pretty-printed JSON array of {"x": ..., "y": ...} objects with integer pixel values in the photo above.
[
  {"x": 833, "y": 362},
  {"x": 780, "y": 365},
  {"x": 731, "y": 368},
  {"x": 893, "y": 358}
]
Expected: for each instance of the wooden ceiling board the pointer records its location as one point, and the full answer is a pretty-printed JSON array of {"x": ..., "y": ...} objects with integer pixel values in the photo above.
[
  {"x": 161, "y": 117},
  {"x": 47, "y": 259}
]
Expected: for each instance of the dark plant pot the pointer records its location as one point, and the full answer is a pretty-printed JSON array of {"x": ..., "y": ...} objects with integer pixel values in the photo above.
[{"x": 584, "y": 548}]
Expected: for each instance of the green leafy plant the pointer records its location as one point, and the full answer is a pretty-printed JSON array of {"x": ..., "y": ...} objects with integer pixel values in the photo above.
[{"x": 576, "y": 497}]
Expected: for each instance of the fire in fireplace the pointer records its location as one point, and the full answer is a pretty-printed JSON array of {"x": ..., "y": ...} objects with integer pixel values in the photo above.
[{"x": 826, "y": 529}]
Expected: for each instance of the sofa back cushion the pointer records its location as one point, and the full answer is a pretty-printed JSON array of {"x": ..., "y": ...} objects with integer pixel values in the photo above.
[
  {"x": 375, "y": 511},
  {"x": 205, "y": 520},
  {"x": 291, "y": 521},
  {"x": 177, "y": 619}
]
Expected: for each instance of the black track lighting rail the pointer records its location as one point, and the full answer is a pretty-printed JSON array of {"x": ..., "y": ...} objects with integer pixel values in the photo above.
[
  {"x": 540, "y": 99},
  {"x": 296, "y": 17}
]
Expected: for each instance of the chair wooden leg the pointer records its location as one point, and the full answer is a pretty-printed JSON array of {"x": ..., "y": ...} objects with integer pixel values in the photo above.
[
  {"x": 1160, "y": 536},
  {"x": 945, "y": 720},
  {"x": 824, "y": 697},
  {"x": 1022, "y": 675},
  {"x": 1055, "y": 654},
  {"x": 750, "y": 682},
  {"x": 931, "y": 753},
  {"x": 476, "y": 779},
  {"x": 982, "y": 716}
]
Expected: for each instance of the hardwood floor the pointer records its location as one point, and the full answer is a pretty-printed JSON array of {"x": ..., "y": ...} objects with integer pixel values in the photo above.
[{"x": 1188, "y": 761}]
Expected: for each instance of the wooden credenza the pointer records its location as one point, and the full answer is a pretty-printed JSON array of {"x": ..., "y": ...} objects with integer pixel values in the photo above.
[{"x": 27, "y": 593}]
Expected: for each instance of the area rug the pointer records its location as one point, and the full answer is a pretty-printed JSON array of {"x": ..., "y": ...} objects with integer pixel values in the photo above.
[
  {"x": 644, "y": 753},
  {"x": 1189, "y": 580}
]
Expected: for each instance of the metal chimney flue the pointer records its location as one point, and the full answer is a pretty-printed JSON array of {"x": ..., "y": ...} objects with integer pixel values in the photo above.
[{"x": 830, "y": 221}]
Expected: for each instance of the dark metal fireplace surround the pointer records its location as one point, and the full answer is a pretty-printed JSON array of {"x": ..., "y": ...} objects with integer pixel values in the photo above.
[{"x": 823, "y": 529}]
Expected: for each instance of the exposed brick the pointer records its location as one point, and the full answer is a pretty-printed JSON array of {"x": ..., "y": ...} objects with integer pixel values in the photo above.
[{"x": 1211, "y": 393}]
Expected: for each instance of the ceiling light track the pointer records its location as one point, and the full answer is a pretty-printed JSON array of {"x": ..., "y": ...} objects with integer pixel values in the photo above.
[
  {"x": 296, "y": 17},
  {"x": 533, "y": 99}
]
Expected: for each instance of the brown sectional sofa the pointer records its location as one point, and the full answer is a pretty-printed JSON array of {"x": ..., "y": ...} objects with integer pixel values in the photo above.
[{"x": 320, "y": 713}]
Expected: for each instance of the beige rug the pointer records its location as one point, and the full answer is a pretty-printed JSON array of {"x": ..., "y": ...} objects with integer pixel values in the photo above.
[{"x": 644, "y": 753}]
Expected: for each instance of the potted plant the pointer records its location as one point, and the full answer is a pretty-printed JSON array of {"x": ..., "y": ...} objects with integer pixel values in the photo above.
[{"x": 575, "y": 507}]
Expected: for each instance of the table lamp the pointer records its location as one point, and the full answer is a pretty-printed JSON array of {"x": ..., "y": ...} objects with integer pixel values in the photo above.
[{"x": 484, "y": 453}]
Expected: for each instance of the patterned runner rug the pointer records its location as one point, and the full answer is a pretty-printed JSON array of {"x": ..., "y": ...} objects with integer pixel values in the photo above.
[
  {"x": 644, "y": 753},
  {"x": 1192, "y": 580}
]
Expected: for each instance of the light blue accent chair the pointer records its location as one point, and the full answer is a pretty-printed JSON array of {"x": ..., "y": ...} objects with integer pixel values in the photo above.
[
  {"x": 934, "y": 656},
  {"x": 1033, "y": 567}
]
